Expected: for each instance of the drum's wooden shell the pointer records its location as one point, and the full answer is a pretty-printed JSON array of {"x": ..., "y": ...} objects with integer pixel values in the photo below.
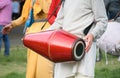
[{"x": 56, "y": 45}]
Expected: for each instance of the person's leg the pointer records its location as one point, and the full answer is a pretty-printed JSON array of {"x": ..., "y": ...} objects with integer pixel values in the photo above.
[
  {"x": 86, "y": 67},
  {"x": 78, "y": 75},
  {"x": 6, "y": 44},
  {"x": 119, "y": 58},
  {"x": 44, "y": 67},
  {"x": 64, "y": 70},
  {"x": 31, "y": 64},
  {"x": 1, "y": 36}
]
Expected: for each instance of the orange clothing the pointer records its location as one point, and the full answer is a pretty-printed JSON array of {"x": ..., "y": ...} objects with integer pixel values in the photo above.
[{"x": 37, "y": 66}]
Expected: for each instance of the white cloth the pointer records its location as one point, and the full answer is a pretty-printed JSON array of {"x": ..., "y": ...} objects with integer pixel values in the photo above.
[
  {"x": 76, "y": 15},
  {"x": 110, "y": 40},
  {"x": 82, "y": 76},
  {"x": 85, "y": 67},
  {"x": 119, "y": 58}
]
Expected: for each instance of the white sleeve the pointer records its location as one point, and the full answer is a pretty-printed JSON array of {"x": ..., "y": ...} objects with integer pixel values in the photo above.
[{"x": 101, "y": 19}]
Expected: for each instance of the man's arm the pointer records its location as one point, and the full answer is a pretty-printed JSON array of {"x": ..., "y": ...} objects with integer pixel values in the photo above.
[{"x": 101, "y": 19}]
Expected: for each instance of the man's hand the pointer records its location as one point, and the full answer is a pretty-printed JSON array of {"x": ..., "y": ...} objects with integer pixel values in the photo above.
[
  {"x": 88, "y": 39},
  {"x": 7, "y": 29}
]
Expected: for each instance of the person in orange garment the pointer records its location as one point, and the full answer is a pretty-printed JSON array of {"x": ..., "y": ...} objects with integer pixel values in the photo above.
[
  {"x": 37, "y": 66},
  {"x": 53, "y": 10}
]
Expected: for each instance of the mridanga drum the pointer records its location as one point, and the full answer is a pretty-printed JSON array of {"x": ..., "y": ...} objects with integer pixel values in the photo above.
[{"x": 56, "y": 45}]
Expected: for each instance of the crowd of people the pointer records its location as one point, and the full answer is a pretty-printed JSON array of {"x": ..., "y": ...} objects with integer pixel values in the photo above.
[{"x": 59, "y": 14}]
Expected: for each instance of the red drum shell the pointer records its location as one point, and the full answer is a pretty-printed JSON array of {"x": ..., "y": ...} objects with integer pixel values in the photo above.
[{"x": 56, "y": 45}]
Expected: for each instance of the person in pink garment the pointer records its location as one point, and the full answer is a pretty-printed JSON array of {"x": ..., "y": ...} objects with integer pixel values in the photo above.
[{"x": 5, "y": 18}]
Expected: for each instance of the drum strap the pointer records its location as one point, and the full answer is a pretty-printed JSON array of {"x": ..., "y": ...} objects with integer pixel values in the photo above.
[
  {"x": 117, "y": 15},
  {"x": 30, "y": 18},
  {"x": 57, "y": 7},
  {"x": 86, "y": 30}
]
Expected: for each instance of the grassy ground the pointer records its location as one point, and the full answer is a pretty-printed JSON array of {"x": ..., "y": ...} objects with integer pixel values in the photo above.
[
  {"x": 110, "y": 70},
  {"x": 14, "y": 66}
]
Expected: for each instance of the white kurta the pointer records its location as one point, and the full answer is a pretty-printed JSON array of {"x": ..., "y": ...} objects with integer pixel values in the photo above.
[
  {"x": 84, "y": 67},
  {"x": 74, "y": 17}
]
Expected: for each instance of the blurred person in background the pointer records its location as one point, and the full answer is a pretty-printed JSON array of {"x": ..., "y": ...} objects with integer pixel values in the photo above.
[
  {"x": 112, "y": 8},
  {"x": 110, "y": 41},
  {"x": 21, "y": 5},
  {"x": 37, "y": 66},
  {"x": 5, "y": 18},
  {"x": 15, "y": 9}
]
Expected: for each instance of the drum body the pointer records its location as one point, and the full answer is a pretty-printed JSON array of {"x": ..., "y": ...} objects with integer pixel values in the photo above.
[{"x": 56, "y": 45}]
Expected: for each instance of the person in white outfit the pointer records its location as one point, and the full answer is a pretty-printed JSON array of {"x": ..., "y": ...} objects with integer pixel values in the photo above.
[{"x": 75, "y": 16}]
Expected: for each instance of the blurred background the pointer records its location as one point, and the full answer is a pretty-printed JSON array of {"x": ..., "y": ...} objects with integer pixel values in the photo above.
[{"x": 14, "y": 66}]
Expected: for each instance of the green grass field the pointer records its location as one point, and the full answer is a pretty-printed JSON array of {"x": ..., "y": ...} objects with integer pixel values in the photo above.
[
  {"x": 110, "y": 70},
  {"x": 14, "y": 66}
]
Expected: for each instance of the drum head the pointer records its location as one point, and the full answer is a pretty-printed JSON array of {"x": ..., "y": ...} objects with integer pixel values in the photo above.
[{"x": 79, "y": 50}]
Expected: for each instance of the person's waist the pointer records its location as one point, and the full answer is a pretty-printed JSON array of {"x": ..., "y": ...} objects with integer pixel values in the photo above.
[
  {"x": 41, "y": 20},
  {"x": 4, "y": 23}
]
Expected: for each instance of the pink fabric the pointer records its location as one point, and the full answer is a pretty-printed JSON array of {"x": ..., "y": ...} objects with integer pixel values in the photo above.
[{"x": 5, "y": 11}]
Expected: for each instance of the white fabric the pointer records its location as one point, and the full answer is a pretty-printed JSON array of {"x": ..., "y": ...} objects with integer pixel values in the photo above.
[
  {"x": 82, "y": 76},
  {"x": 85, "y": 67},
  {"x": 80, "y": 15},
  {"x": 110, "y": 40},
  {"x": 74, "y": 17},
  {"x": 119, "y": 58},
  {"x": 78, "y": 75}
]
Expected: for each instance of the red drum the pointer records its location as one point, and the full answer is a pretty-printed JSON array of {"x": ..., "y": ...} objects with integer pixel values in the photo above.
[{"x": 56, "y": 45}]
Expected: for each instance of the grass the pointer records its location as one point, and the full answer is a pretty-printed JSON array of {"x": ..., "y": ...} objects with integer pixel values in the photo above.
[
  {"x": 14, "y": 66},
  {"x": 110, "y": 70}
]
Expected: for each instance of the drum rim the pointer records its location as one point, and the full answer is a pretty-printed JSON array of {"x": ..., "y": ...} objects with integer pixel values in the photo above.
[{"x": 75, "y": 57}]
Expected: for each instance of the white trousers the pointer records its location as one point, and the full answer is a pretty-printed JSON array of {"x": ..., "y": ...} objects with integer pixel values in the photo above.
[
  {"x": 80, "y": 69},
  {"x": 80, "y": 76}
]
